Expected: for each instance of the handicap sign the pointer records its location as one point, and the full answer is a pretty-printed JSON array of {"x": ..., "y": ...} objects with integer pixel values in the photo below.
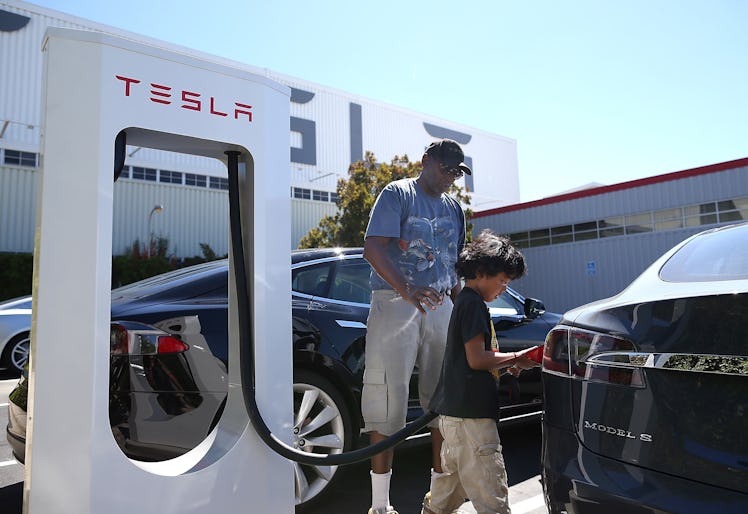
[{"x": 591, "y": 267}]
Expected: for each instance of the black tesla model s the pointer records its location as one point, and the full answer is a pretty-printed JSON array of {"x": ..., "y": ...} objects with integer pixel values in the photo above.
[{"x": 645, "y": 392}]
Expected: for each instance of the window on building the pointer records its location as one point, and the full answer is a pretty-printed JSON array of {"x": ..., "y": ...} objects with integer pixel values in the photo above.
[
  {"x": 170, "y": 177},
  {"x": 18, "y": 158},
  {"x": 733, "y": 210},
  {"x": 322, "y": 196},
  {"x": 668, "y": 219},
  {"x": 540, "y": 237},
  {"x": 139, "y": 173},
  {"x": 304, "y": 194},
  {"x": 191, "y": 179},
  {"x": 520, "y": 239},
  {"x": 725, "y": 211},
  {"x": 611, "y": 227},
  {"x": 585, "y": 231},
  {"x": 125, "y": 172},
  {"x": 638, "y": 223},
  {"x": 703, "y": 214},
  {"x": 334, "y": 197},
  {"x": 562, "y": 234},
  {"x": 219, "y": 183}
]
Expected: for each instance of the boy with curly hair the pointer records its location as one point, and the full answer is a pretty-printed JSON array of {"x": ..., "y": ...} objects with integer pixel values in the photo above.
[{"x": 467, "y": 398}]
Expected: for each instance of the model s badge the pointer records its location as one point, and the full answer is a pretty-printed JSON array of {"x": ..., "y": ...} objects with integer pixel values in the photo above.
[{"x": 618, "y": 432}]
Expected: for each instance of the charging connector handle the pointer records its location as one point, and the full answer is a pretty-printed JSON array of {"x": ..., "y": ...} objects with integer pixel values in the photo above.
[{"x": 247, "y": 355}]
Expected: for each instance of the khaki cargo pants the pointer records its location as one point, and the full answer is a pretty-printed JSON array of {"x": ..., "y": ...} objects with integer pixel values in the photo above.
[{"x": 473, "y": 468}]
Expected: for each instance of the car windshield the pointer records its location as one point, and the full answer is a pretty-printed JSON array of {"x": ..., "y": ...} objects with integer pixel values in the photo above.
[
  {"x": 17, "y": 303},
  {"x": 718, "y": 255}
]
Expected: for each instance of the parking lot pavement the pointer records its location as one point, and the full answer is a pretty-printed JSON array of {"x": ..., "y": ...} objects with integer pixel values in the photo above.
[
  {"x": 521, "y": 446},
  {"x": 410, "y": 478},
  {"x": 524, "y": 498}
]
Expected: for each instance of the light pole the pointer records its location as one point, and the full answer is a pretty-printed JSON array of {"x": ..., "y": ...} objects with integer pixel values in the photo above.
[{"x": 156, "y": 208}]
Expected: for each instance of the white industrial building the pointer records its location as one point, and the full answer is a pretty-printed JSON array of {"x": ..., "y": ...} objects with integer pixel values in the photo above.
[
  {"x": 589, "y": 244},
  {"x": 183, "y": 197}
]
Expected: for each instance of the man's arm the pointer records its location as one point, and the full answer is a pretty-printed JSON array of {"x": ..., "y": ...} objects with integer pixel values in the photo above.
[{"x": 375, "y": 252}]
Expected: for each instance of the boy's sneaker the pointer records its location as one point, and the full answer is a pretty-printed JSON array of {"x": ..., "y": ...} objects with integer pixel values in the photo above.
[
  {"x": 426, "y": 509},
  {"x": 383, "y": 510}
]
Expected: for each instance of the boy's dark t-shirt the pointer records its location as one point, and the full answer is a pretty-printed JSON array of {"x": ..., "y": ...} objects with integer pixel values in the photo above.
[{"x": 464, "y": 392}]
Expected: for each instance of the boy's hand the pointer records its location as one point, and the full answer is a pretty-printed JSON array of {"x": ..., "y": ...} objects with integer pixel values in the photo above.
[
  {"x": 525, "y": 362},
  {"x": 514, "y": 371}
]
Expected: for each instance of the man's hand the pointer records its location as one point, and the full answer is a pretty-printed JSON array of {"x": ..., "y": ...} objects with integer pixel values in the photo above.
[
  {"x": 423, "y": 298},
  {"x": 375, "y": 252}
]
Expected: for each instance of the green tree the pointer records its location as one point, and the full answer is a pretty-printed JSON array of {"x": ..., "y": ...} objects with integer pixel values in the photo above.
[{"x": 356, "y": 197}]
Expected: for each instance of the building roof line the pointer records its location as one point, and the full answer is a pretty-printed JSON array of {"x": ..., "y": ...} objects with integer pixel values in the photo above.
[{"x": 666, "y": 177}]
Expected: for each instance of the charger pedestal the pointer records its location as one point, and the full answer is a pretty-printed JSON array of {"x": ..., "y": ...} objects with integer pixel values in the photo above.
[{"x": 97, "y": 86}]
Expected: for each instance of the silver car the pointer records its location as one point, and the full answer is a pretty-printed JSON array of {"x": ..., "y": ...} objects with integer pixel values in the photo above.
[{"x": 14, "y": 333}]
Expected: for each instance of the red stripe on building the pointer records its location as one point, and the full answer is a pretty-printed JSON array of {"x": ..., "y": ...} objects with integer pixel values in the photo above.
[{"x": 583, "y": 193}]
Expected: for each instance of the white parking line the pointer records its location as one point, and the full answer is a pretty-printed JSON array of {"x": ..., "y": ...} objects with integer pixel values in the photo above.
[
  {"x": 528, "y": 505},
  {"x": 8, "y": 463}
]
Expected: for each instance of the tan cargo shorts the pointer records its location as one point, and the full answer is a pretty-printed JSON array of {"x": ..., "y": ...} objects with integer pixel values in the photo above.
[
  {"x": 473, "y": 467},
  {"x": 399, "y": 338}
]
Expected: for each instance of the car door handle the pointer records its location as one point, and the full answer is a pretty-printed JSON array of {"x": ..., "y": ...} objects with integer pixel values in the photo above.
[
  {"x": 693, "y": 362},
  {"x": 350, "y": 324}
]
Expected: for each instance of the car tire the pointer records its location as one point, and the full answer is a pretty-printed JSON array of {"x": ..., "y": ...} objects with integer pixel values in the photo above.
[
  {"x": 17, "y": 352},
  {"x": 322, "y": 424}
]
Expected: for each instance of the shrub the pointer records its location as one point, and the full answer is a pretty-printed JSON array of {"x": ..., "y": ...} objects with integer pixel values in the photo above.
[{"x": 16, "y": 269}]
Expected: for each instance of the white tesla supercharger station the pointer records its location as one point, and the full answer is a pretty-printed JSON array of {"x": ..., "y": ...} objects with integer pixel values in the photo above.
[{"x": 95, "y": 87}]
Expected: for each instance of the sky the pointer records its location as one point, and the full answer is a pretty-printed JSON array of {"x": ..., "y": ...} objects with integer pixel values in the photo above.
[{"x": 592, "y": 91}]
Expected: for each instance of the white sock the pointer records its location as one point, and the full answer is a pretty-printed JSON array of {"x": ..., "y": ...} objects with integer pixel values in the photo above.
[{"x": 380, "y": 489}]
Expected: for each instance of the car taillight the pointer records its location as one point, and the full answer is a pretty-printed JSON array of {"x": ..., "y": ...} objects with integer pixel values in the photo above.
[
  {"x": 169, "y": 344},
  {"x": 118, "y": 340},
  {"x": 137, "y": 339},
  {"x": 556, "y": 351},
  {"x": 593, "y": 356}
]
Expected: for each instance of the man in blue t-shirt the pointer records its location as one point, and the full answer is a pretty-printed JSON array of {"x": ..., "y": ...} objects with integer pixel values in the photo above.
[{"x": 415, "y": 234}]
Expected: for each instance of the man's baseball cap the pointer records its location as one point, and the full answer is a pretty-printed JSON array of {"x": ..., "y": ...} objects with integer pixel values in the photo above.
[{"x": 449, "y": 152}]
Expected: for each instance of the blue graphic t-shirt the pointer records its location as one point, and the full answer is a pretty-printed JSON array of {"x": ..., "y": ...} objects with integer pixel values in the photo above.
[{"x": 428, "y": 233}]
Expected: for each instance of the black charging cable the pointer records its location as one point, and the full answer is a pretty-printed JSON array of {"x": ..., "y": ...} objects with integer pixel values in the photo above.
[{"x": 247, "y": 355}]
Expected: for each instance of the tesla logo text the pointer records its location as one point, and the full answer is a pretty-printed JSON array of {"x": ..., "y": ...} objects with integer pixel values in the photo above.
[
  {"x": 619, "y": 432},
  {"x": 190, "y": 100}
]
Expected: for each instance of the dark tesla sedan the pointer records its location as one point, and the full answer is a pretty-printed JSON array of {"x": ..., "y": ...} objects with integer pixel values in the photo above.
[
  {"x": 646, "y": 406},
  {"x": 168, "y": 377}
]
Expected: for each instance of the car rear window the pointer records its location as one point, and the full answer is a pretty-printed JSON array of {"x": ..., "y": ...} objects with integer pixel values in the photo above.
[{"x": 718, "y": 255}]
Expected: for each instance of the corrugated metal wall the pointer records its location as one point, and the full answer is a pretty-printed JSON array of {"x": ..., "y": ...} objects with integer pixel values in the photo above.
[
  {"x": 571, "y": 274},
  {"x": 22, "y": 76},
  {"x": 305, "y": 215},
  {"x": 190, "y": 215},
  {"x": 17, "y": 218}
]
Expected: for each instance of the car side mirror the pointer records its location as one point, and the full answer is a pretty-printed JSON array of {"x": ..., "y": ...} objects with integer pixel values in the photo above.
[{"x": 534, "y": 308}]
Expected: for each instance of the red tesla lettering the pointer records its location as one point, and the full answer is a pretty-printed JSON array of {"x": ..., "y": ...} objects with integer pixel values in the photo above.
[
  {"x": 188, "y": 97},
  {"x": 190, "y": 100},
  {"x": 213, "y": 109},
  {"x": 127, "y": 82},
  {"x": 163, "y": 93},
  {"x": 245, "y": 109}
]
